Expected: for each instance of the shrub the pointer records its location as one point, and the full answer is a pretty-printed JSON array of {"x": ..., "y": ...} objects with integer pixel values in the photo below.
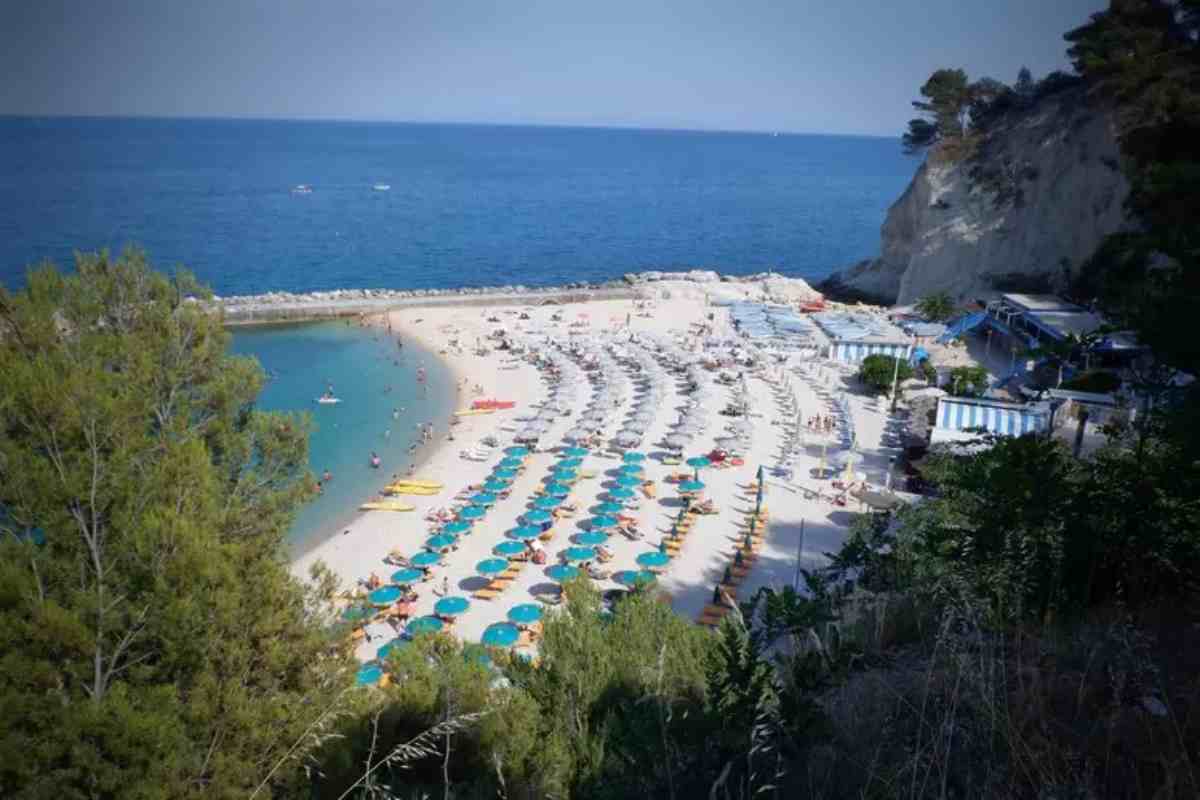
[
  {"x": 877, "y": 371},
  {"x": 937, "y": 307},
  {"x": 968, "y": 381},
  {"x": 1096, "y": 381}
]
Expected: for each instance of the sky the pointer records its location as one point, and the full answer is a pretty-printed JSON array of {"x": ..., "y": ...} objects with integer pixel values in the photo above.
[{"x": 828, "y": 66}]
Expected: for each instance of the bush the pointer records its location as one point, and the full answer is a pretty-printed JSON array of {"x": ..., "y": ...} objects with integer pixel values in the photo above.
[
  {"x": 877, "y": 371},
  {"x": 937, "y": 307},
  {"x": 968, "y": 381},
  {"x": 1095, "y": 381}
]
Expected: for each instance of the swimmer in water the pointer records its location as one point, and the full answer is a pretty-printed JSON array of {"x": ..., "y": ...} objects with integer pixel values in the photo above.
[{"x": 326, "y": 476}]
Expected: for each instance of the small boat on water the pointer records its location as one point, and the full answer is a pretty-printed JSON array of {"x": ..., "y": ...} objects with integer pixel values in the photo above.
[
  {"x": 302, "y": 188},
  {"x": 327, "y": 400},
  {"x": 382, "y": 187}
]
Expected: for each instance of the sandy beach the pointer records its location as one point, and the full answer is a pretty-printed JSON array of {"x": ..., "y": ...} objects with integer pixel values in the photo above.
[{"x": 641, "y": 344}]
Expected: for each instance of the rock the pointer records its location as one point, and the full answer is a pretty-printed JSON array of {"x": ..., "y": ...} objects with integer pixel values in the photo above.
[
  {"x": 631, "y": 278},
  {"x": 703, "y": 276}
]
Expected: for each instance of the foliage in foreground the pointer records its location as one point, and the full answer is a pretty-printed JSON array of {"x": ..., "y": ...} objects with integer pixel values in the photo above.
[{"x": 153, "y": 643}]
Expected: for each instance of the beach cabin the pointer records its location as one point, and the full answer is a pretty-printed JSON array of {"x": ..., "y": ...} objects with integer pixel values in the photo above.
[
  {"x": 852, "y": 336},
  {"x": 958, "y": 418}
]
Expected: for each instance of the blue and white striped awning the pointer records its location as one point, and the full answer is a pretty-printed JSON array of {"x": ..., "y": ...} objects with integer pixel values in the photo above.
[
  {"x": 854, "y": 352},
  {"x": 1001, "y": 418}
]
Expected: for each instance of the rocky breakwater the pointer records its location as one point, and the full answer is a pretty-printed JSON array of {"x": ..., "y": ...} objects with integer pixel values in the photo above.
[
  {"x": 1022, "y": 212},
  {"x": 291, "y": 307}
]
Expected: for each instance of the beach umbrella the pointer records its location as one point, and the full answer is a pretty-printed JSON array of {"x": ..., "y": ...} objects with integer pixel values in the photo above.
[
  {"x": 574, "y": 452},
  {"x": 628, "y": 481},
  {"x": 425, "y": 560},
  {"x": 509, "y": 463},
  {"x": 451, "y": 606},
  {"x": 356, "y": 614},
  {"x": 477, "y": 653},
  {"x": 504, "y": 473},
  {"x": 368, "y": 675},
  {"x": 440, "y": 542},
  {"x": 384, "y": 596},
  {"x": 633, "y": 458},
  {"x": 621, "y": 493},
  {"x": 525, "y": 614},
  {"x": 495, "y": 485},
  {"x": 492, "y": 566},
  {"x": 510, "y": 547},
  {"x": 633, "y": 578},
  {"x": 427, "y": 624},
  {"x": 569, "y": 463},
  {"x": 406, "y": 576},
  {"x": 472, "y": 513},
  {"x": 386, "y": 650},
  {"x": 483, "y": 499},
  {"x": 601, "y": 522},
  {"x": 591, "y": 538},
  {"x": 547, "y": 503},
  {"x": 687, "y": 487},
  {"x": 516, "y": 452},
  {"x": 698, "y": 462},
  {"x": 676, "y": 441},
  {"x": 562, "y": 572},
  {"x": 625, "y": 440},
  {"x": 609, "y": 508},
  {"x": 526, "y": 532},
  {"x": 538, "y": 516},
  {"x": 500, "y": 634},
  {"x": 564, "y": 475},
  {"x": 630, "y": 469},
  {"x": 556, "y": 489},
  {"x": 456, "y": 527},
  {"x": 758, "y": 494},
  {"x": 654, "y": 558},
  {"x": 579, "y": 553}
]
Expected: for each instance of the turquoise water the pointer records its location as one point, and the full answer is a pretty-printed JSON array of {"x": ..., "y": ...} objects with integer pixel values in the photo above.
[{"x": 361, "y": 363}]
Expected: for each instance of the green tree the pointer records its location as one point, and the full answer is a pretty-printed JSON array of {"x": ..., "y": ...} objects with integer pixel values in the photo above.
[
  {"x": 938, "y": 307},
  {"x": 1024, "y": 88},
  {"x": 968, "y": 381},
  {"x": 878, "y": 371},
  {"x": 154, "y": 643},
  {"x": 944, "y": 110}
]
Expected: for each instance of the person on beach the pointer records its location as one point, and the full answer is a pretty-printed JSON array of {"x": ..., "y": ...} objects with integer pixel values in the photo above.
[
  {"x": 445, "y": 586},
  {"x": 326, "y": 476}
]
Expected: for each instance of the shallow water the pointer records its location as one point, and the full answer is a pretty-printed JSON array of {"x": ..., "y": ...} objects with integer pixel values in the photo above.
[{"x": 382, "y": 404}]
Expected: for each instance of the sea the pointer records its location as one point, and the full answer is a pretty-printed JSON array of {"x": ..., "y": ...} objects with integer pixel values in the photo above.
[{"x": 409, "y": 206}]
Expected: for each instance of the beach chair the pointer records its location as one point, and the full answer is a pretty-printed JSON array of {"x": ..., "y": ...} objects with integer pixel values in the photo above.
[{"x": 486, "y": 594}]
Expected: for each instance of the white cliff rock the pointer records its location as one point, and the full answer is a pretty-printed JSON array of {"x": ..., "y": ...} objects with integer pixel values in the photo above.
[{"x": 1029, "y": 208}]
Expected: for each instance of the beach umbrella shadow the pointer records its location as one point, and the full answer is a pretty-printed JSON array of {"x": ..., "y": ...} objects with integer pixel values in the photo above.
[{"x": 474, "y": 583}]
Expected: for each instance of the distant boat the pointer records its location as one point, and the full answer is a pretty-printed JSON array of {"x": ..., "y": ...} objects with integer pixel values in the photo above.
[
  {"x": 302, "y": 188},
  {"x": 382, "y": 187}
]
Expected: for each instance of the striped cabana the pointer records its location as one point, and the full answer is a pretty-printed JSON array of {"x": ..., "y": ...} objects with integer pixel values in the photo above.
[{"x": 955, "y": 414}]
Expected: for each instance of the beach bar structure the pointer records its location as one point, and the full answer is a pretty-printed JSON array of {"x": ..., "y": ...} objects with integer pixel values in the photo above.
[
  {"x": 852, "y": 336},
  {"x": 1035, "y": 318},
  {"x": 960, "y": 418}
]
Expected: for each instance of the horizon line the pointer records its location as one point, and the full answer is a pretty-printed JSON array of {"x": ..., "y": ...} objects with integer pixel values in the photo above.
[{"x": 461, "y": 123}]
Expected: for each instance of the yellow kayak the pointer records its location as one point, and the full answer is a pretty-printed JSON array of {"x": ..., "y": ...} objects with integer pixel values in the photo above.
[
  {"x": 470, "y": 412},
  {"x": 420, "y": 483},
  {"x": 420, "y": 491},
  {"x": 386, "y": 505}
]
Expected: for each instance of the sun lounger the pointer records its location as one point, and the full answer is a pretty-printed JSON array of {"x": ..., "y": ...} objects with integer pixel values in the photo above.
[{"x": 486, "y": 594}]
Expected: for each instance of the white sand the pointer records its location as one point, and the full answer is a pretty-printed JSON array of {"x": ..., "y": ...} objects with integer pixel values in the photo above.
[{"x": 691, "y": 576}]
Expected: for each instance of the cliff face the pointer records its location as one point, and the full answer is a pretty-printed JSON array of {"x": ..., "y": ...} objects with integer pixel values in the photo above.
[{"x": 1022, "y": 213}]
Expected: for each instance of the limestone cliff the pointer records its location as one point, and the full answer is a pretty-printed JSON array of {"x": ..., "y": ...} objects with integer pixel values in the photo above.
[{"x": 1034, "y": 200}]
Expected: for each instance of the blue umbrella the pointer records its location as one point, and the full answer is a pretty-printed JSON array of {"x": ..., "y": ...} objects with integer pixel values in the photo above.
[
  {"x": 495, "y": 485},
  {"x": 526, "y": 532},
  {"x": 505, "y": 473},
  {"x": 591, "y": 538},
  {"x": 456, "y": 527},
  {"x": 579, "y": 553},
  {"x": 369, "y": 675},
  {"x": 653, "y": 559},
  {"x": 356, "y": 614},
  {"x": 500, "y": 634},
  {"x": 424, "y": 625},
  {"x": 440, "y": 542},
  {"x": 451, "y": 606},
  {"x": 601, "y": 522},
  {"x": 575, "y": 452},
  {"x": 569, "y": 463},
  {"x": 508, "y": 548},
  {"x": 691, "y": 486},
  {"x": 384, "y": 596},
  {"x": 634, "y": 458},
  {"x": 516, "y": 452},
  {"x": 564, "y": 475},
  {"x": 425, "y": 560},
  {"x": 389, "y": 648},
  {"x": 538, "y": 516},
  {"x": 609, "y": 508},
  {"x": 621, "y": 493},
  {"x": 628, "y": 481},
  {"x": 472, "y": 512},
  {"x": 492, "y": 566},
  {"x": 630, "y": 469},
  {"x": 557, "y": 489},
  {"x": 698, "y": 462},
  {"x": 509, "y": 463},
  {"x": 562, "y": 572},
  {"x": 631, "y": 577},
  {"x": 406, "y": 576},
  {"x": 482, "y": 499},
  {"x": 525, "y": 613},
  {"x": 546, "y": 503}
]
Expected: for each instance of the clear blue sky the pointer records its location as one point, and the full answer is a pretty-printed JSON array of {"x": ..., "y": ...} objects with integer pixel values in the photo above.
[{"x": 834, "y": 66}]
